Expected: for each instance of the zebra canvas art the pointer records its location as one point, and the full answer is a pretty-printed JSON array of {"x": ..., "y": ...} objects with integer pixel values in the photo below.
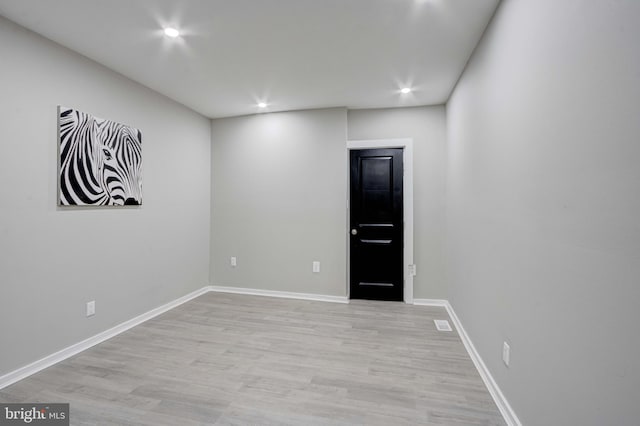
[{"x": 100, "y": 161}]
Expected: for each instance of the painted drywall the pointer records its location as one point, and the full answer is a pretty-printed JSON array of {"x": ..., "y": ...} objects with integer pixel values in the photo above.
[
  {"x": 543, "y": 208},
  {"x": 279, "y": 191},
  {"x": 53, "y": 260},
  {"x": 426, "y": 127}
]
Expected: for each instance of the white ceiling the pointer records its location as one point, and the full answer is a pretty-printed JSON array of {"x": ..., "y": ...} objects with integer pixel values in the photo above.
[{"x": 292, "y": 54}]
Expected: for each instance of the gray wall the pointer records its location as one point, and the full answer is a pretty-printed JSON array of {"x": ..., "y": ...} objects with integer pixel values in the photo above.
[
  {"x": 54, "y": 260},
  {"x": 426, "y": 126},
  {"x": 279, "y": 190},
  {"x": 543, "y": 207}
]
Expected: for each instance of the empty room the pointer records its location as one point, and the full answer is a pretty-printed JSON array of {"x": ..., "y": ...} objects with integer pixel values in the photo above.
[{"x": 320, "y": 212}]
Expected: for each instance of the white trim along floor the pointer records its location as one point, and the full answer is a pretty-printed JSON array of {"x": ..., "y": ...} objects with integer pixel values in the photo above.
[{"x": 508, "y": 416}]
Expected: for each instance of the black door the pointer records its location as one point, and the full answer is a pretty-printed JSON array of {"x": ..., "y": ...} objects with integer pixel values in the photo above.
[{"x": 376, "y": 224}]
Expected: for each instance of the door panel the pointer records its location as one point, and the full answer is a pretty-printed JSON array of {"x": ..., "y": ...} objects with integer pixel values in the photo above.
[{"x": 376, "y": 245}]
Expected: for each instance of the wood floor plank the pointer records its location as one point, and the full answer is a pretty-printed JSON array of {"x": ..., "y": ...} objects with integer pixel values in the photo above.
[{"x": 225, "y": 359}]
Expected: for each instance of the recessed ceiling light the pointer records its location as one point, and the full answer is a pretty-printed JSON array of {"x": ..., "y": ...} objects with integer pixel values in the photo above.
[
  {"x": 171, "y": 32},
  {"x": 262, "y": 105},
  {"x": 405, "y": 90}
]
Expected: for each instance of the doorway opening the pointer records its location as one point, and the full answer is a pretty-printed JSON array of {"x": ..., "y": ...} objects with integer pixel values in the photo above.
[{"x": 380, "y": 217}]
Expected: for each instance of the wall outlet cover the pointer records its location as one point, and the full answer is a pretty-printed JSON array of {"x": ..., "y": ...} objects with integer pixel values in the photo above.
[
  {"x": 506, "y": 353},
  {"x": 91, "y": 308},
  {"x": 412, "y": 270}
]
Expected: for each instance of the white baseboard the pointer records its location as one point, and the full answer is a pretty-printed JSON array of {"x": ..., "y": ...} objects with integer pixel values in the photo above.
[
  {"x": 76, "y": 348},
  {"x": 501, "y": 401},
  {"x": 283, "y": 294},
  {"x": 503, "y": 405},
  {"x": 431, "y": 302}
]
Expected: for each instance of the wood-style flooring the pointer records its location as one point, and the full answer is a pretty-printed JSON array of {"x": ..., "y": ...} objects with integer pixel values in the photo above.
[{"x": 225, "y": 359}]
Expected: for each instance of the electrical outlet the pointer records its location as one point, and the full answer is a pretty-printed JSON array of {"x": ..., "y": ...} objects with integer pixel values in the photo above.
[
  {"x": 91, "y": 308},
  {"x": 412, "y": 270},
  {"x": 506, "y": 353},
  {"x": 316, "y": 267},
  {"x": 234, "y": 261}
]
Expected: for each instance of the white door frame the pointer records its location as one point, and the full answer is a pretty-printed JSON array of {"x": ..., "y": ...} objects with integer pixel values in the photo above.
[{"x": 407, "y": 188}]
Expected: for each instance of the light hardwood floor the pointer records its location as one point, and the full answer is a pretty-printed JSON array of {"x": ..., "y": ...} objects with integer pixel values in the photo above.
[{"x": 227, "y": 359}]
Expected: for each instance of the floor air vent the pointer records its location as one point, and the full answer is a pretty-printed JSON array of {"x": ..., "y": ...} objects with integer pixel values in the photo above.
[{"x": 442, "y": 325}]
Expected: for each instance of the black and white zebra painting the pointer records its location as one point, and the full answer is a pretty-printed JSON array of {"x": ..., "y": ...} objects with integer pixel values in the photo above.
[{"x": 100, "y": 161}]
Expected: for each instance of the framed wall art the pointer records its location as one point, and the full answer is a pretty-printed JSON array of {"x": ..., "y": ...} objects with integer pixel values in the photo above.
[{"x": 100, "y": 161}]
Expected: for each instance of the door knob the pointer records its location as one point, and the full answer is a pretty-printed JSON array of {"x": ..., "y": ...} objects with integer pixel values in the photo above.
[{"x": 354, "y": 232}]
